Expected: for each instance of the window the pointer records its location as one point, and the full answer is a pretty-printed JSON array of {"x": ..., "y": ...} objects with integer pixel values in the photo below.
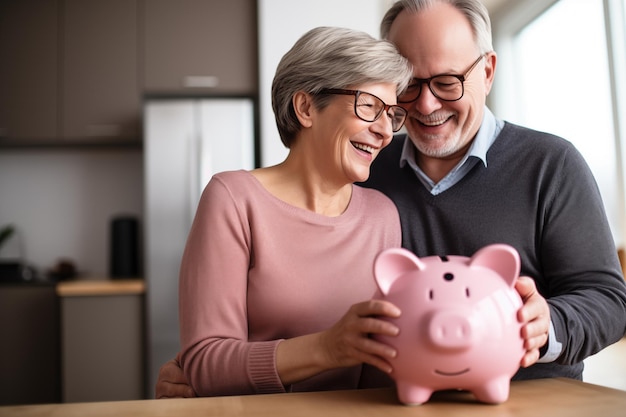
[{"x": 561, "y": 77}]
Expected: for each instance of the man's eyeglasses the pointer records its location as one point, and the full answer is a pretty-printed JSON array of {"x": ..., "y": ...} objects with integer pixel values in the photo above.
[
  {"x": 369, "y": 108},
  {"x": 447, "y": 87}
]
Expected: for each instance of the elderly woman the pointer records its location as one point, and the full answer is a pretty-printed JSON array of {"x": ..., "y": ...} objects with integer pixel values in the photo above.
[{"x": 276, "y": 276}]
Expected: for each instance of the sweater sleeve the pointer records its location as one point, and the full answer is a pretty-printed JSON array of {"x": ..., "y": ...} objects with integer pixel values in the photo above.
[
  {"x": 216, "y": 356},
  {"x": 581, "y": 272}
]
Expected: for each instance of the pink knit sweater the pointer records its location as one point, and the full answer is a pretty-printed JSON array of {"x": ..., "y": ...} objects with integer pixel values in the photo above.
[{"x": 257, "y": 270}]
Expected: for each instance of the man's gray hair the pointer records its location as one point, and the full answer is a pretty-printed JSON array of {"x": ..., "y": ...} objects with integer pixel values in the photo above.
[{"x": 474, "y": 10}]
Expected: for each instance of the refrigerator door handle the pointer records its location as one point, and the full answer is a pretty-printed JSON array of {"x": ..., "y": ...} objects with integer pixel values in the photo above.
[{"x": 194, "y": 153}]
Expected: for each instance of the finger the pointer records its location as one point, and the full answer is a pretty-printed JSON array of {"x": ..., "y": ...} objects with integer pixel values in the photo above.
[
  {"x": 371, "y": 325},
  {"x": 529, "y": 358},
  {"x": 376, "y": 308},
  {"x": 376, "y": 356},
  {"x": 535, "y": 308},
  {"x": 383, "y": 365},
  {"x": 535, "y": 342},
  {"x": 525, "y": 286},
  {"x": 189, "y": 392},
  {"x": 536, "y": 329},
  {"x": 532, "y": 307},
  {"x": 173, "y": 390},
  {"x": 535, "y": 333},
  {"x": 371, "y": 346},
  {"x": 535, "y": 319}
]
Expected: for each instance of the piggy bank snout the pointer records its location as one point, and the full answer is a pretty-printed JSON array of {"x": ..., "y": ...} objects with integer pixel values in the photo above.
[{"x": 451, "y": 330}]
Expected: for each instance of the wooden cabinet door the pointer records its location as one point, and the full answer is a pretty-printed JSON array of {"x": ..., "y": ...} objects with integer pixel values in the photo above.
[
  {"x": 200, "y": 46},
  {"x": 30, "y": 351},
  {"x": 101, "y": 95},
  {"x": 102, "y": 339},
  {"x": 28, "y": 70}
]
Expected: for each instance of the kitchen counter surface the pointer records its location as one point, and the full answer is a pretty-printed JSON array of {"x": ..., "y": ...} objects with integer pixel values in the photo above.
[
  {"x": 95, "y": 287},
  {"x": 544, "y": 397}
]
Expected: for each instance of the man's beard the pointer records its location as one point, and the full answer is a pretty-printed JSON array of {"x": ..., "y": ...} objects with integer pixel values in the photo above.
[{"x": 450, "y": 146}]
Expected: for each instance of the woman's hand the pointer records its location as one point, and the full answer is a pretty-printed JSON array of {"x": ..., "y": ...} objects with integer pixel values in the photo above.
[
  {"x": 171, "y": 382},
  {"x": 348, "y": 342}
]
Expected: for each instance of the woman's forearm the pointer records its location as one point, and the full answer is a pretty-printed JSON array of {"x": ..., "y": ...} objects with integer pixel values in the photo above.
[{"x": 300, "y": 358}]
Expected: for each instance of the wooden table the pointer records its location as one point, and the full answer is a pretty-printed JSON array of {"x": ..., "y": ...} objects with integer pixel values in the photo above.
[{"x": 538, "y": 398}]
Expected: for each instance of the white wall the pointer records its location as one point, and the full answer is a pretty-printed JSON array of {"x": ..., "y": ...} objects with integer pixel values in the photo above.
[
  {"x": 61, "y": 203},
  {"x": 281, "y": 23}
]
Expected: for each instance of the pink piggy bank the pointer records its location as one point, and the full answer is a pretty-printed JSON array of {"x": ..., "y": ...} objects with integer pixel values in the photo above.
[{"x": 458, "y": 327}]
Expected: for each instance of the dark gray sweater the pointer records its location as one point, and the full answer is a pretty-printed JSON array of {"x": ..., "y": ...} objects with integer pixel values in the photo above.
[{"x": 538, "y": 195}]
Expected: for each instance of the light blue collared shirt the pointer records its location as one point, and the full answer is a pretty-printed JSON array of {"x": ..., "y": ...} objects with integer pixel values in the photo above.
[
  {"x": 487, "y": 133},
  {"x": 489, "y": 129}
]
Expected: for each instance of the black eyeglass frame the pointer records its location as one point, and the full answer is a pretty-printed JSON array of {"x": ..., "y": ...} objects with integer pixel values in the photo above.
[
  {"x": 462, "y": 78},
  {"x": 357, "y": 93}
]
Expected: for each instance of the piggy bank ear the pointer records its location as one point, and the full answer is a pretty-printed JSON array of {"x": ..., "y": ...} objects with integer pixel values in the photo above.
[
  {"x": 391, "y": 264},
  {"x": 503, "y": 259}
]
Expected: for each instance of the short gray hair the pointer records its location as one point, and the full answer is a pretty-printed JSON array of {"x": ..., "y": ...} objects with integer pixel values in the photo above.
[
  {"x": 332, "y": 57},
  {"x": 474, "y": 10}
]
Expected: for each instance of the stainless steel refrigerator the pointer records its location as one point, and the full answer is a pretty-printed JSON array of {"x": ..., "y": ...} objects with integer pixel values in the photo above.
[{"x": 186, "y": 141}]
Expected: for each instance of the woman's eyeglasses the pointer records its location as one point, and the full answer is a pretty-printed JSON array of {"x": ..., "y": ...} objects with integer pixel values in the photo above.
[{"x": 369, "y": 108}]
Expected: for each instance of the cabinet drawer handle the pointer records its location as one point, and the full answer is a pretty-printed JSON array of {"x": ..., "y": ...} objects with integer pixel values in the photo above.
[{"x": 201, "y": 81}]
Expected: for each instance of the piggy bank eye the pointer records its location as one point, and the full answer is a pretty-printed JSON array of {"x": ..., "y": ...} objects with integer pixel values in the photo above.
[
  {"x": 467, "y": 292},
  {"x": 431, "y": 294},
  {"x": 448, "y": 276}
]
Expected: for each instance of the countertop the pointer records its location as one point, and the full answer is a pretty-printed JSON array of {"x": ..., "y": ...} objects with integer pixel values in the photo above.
[
  {"x": 538, "y": 398},
  {"x": 94, "y": 287}
]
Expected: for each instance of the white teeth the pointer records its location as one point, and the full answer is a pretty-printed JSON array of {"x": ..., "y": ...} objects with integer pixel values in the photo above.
[
  {"x": 434, "y": 122},
  {"x": 363, "y": 147}
]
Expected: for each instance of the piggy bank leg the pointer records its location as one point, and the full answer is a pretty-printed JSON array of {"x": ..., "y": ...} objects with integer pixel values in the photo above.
[
  {"x": 410, "y": 394},
  {"x": 495, "y": 391}
]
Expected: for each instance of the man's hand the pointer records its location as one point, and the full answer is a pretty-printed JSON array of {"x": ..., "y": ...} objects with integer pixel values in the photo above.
[
  {"x": 535, "y": 318},
  {"x": 172, "y": 383}
]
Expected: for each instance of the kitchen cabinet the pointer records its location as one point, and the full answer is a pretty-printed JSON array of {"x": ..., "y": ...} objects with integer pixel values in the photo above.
[
  {"x": 75, "y": 72},
  {"x": 30, "y": 344},
  {"x": 70, "y": 72},
  {"x": 102, "y": 333},
  {"x": 29, "y": 88},
  {"x": 101, "y": 94},
  {"x": 200, "y": 47}
]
